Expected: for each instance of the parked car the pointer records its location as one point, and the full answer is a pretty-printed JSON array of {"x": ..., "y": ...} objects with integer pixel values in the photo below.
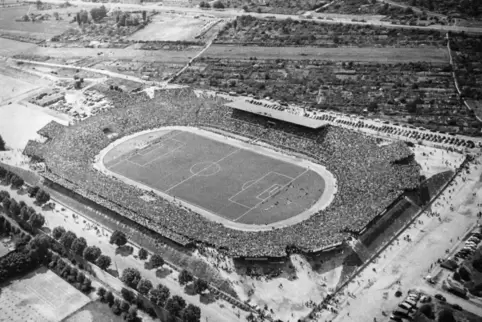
[
  {"x": 405, "y": 306},
  {"x": 395, "y": 318},
  {"x": 457, "y": 307},
  {"x": 440, "y": 297}
]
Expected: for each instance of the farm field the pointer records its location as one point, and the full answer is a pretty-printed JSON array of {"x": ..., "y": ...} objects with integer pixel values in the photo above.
[
  {"x": 233, "y": 182},
  {"x": 39, "y": 296},
  {"x": 48, "y": 28},
  {"x": 171, "y": 28},
  {"x": 11, "y": 47},
  {"x": 368, "y": 54}
]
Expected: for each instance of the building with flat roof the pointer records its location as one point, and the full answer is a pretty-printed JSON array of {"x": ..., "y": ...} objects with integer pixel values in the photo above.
[{"x": 276, "y": 112}]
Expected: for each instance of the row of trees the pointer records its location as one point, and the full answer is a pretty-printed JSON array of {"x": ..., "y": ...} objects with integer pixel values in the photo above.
[
  {"x": 26, "y": 216},
  {"x": 159, "y": 296},
  {"x": 71, "y": 274},
  {"x": 78, "y": 245}
]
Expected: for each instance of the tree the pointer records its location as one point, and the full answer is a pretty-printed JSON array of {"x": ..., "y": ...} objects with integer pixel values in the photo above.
[
  {"x": 2, "y": 144},
  {"x": 427, "y": 310},
  {"x": 101, "y": 292},
  {"x": 91, "y": 253},
  {"x": 144, "y": 286},
  {"x": 128, "y": 295},
  {"x": 131, "y": 316},
  {"x": 144, "y": 16},
  {"x": 17, "y": 182},
  {"x": 103, "y": 262},
  {"x": 218, "y": 5},
  {"x": 38, "y": 4},
  {"x": 191, "y": 313},
  {"x": 56, "y": 15},
  {"x": 143, "y": 254},
  {"x": 14, "y": 208},
  {"x": 156, "y": 261},
  {"x": 445, "y": 315},
  {"x": 131, "y": 277},
  {"x": 175, "y": 305},
  {"x": 67, "y": 239},
  {"x": 124, "y": 306},
  {"x": 185, "y": 277},
  {"x": 200, "y": 286},
  {"x": 79, "y": 245},
  {"x": 118, "y": 238},
  {"x": 98, "y": 13},
  {"x": 246, "y": 8},
  {"x": 109, "y": 297},
  {"x": 42, "y": 197},
  {"x": 36, "y": 220},
  {"x": 3, "y": 173},
  {"x": 32, "y": 191},
  {"x": 159, "y": 295},
  {"x": 40, "y": 245},
  {"x": 57, "y": 232}
]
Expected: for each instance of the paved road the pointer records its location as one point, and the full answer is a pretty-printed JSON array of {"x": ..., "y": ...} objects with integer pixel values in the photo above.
[{"x": 452, "y": 299}]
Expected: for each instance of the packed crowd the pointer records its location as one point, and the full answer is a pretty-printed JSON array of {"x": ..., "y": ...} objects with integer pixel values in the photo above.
[{"x": 368, "y": 176}]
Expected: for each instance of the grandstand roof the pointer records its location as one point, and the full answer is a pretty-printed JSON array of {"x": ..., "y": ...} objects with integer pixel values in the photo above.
[{"x": 277, "y": 112}]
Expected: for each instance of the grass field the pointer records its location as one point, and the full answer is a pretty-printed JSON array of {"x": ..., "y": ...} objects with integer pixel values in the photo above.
[
  {"x": 170, "y": 28},
  {"x": 369, "y": 54},
  {"x": 238, "y": 184},
  {"x": 49, "y": 28},
  {"x": 39, "y": 296}
]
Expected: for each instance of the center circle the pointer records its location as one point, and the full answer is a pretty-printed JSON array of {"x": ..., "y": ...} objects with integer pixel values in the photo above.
[{"x": 205, "y": 169}]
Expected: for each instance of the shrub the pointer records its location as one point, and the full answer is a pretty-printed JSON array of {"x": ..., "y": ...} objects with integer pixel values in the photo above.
[
  {"x": 218, "y": 5},
  {"x": 101, "y": 292},
  {"x": 109, "y": 298}
]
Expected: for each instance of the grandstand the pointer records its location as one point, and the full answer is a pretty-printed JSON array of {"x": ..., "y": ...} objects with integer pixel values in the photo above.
[{"x": 370, "y": 177}]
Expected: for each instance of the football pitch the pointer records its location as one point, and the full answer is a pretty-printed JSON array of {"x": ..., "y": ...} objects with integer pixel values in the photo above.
[{"x": 237, "y": 182}]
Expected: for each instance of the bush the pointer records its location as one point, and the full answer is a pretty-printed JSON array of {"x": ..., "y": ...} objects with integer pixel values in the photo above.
[
  {"x": 109, "y": 298},
  {"x": 101, "y": 292}
]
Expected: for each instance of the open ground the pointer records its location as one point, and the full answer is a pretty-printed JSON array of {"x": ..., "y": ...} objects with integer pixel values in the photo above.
[
  {"x": 171, "y": 28},
  {"x": 230, "y": 181},
  {"x": 39, "y": 296},
  {"x": 370, "y": 54}
]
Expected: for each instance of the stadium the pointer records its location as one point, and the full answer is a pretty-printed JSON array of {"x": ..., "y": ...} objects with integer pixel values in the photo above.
[{"x": 198, "y": 171}]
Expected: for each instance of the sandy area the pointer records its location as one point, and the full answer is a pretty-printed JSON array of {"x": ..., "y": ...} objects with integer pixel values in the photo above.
[
  {"x": 11, "y": 87},
  {"x": 433, "y": 160},
  {"x": 18, "y": 124},
  {"x": 39, "y": 296}
]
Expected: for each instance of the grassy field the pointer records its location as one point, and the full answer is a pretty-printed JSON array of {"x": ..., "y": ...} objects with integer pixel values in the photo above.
[
  {"x": 39, "y": 296},
  {"x": 369, "y": 54},
  {"x": 171, "y": 28},
  {"x": 237, "y": 184},
  {"x": 48, "y": 28}
]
